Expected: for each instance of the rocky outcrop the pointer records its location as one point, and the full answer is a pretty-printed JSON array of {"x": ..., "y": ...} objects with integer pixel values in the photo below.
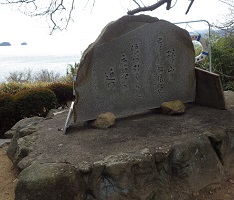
[
  {"x": 50, "y": 181},
  {"x": 173, "y": 171},
  {"x": 24, "y": 127},
  {"x": 150, "y": 156},
  {"x": 22, "y": 141}
]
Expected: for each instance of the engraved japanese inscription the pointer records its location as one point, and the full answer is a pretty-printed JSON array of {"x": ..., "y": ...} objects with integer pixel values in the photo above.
[{"x": 138, "y": 71}]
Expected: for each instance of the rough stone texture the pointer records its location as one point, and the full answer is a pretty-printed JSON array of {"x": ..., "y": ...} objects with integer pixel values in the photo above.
[
  {"x": 196, "y": 168},
  {"x": 20, "y": 148},
  {"x": 50, "y": 181},
  {"x": 104, "y": 120},
  {"x": 135, "y": 69},
  {"x": 229, "y": 98},
  {"x": 27, "y": 124},
  {"x": 148, "y": 156},
  {"x": 4, "y": 142},
  {"x": 173, "y": 107}
]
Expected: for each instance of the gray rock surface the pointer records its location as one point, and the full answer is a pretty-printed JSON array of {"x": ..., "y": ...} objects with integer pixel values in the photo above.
[
  {"x": 20, "y": 148},
  {"x": 58, "y": 181},
  {"x": 229, "y": 98},
  {"x": 27, "y": 124},
  {"x": 4, "y": 142},
  {"x": 145, "y": 156},
  {"x": 135, "y": 68}
]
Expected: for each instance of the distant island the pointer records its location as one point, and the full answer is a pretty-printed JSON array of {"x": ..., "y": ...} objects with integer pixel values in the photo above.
[
  {"x": 5, "y": 44},
  {"x": 24, "y": 43}
]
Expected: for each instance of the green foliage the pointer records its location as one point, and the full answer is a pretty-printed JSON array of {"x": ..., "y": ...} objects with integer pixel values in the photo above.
[
  {"x": 8, "y": 116},
  {"x": 26, "y": 95},
  {"x": 71, "y": 71},
  {"x": 63, "y": 92},
  {"x": 12, "y": 87},
  {"x": 229, "y": 86},
  {"x": 223, "y": 57},
  {"x": 35, "y": 102},
  {"x": 222, "y": 52}
]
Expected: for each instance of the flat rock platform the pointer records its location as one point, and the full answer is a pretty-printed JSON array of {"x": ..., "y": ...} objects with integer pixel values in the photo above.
[{"x": 130, "y": 134}]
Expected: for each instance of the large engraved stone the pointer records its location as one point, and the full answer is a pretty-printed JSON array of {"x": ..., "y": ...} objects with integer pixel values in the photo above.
[{"x": 136, "y": 71}]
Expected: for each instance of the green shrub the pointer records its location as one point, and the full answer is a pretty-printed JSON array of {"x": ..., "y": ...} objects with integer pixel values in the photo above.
[
  {"x": 35, "y": 102},
  {"x": 63, "y": 92},
  {"x": 12, "y": 87},
  {"x": 229, "y": 86},
  {"x": 8, "y": 115}
]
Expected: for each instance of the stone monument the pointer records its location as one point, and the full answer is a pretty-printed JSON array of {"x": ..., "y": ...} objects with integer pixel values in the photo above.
[{"x": 136, "y": 64}]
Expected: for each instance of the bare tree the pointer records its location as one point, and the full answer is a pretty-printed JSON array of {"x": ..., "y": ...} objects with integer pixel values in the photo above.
[
  {"x": 228, "y": 25},
  {"x": 59, "y": 12},
  {"x": 143, "y": 8}
]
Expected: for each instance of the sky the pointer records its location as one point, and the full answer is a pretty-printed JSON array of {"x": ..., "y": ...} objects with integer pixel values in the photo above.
[{"x": 88, "y": 21}]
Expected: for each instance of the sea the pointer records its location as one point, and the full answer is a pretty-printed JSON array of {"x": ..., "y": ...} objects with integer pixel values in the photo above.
[{"x": 24, "y": 57}]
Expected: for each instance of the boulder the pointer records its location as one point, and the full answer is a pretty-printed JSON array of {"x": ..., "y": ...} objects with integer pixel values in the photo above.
[
  {"x": 173, "y": 107},
  {"x": 104, "y": 120},
  {"x": 23, "y": 139},
  {"x": 50, "y": 181},
  {"x": 169, "y": 171},
  {"x": 27, "y": 124},
  {"x": 136, "y": 68},
  {"x": 142, "y": 158},
  {"x": 194, "y": 164}
]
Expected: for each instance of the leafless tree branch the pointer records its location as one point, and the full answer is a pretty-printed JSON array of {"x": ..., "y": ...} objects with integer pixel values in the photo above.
[
  {"x": 191, "y": 3},
  {"x": 151, "y": 7},
  {"x": 228, "y": 2},
  {"x": 58, "y": 12}
]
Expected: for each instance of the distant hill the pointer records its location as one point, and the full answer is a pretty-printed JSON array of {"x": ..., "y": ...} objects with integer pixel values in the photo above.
[
  {"x": 5, "y": 44},
  {"x": 204, "y": 33},
  {"x": 24, "y": 43}
]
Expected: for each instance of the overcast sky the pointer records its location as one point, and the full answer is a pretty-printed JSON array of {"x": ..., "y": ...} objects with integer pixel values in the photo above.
[{"x": 17, "y": 28}]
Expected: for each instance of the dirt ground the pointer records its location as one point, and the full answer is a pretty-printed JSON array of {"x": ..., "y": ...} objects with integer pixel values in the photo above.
[{"x": 8, "y": 176}]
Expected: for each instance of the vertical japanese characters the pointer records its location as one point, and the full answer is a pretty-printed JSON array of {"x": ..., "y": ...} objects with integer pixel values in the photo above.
[{"x": 127, "y": 74}]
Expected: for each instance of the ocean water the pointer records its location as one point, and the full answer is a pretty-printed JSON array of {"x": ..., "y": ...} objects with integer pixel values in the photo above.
[{"x": 23, "y": 58}]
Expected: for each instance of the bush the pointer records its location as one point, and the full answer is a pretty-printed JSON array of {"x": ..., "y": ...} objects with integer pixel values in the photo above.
[
  {"x": 229, "y": 86},
  {"x": 12, "y": 87},
  {"x": 35, "y": 102},
  {"x": 8, "y": 116},
  {"x": 63, "y": 92}
]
